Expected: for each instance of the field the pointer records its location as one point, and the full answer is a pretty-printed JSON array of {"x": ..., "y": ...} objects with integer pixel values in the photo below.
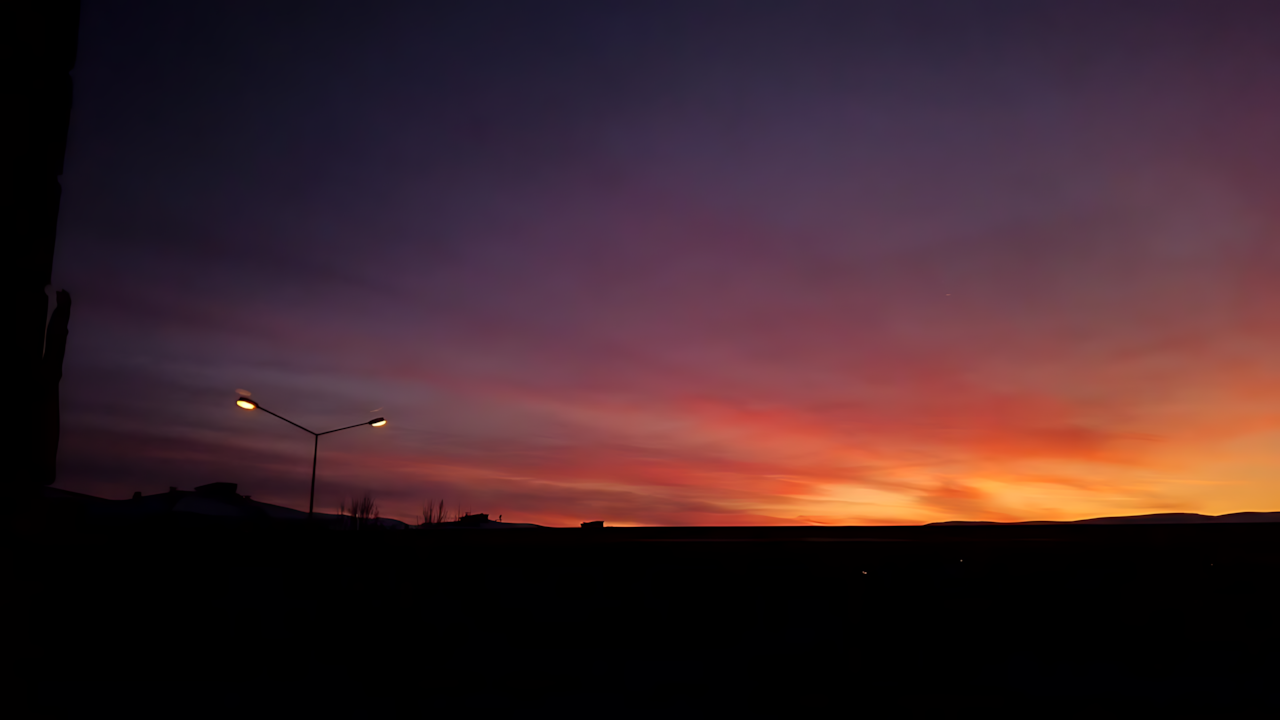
[{"x": 626, "y": 618}]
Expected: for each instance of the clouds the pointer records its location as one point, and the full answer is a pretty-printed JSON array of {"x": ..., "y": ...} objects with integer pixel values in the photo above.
[{"x": 832, "y": 264}]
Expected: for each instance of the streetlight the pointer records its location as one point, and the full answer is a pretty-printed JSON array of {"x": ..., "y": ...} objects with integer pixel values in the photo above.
[{"x": 248, "y": 404}]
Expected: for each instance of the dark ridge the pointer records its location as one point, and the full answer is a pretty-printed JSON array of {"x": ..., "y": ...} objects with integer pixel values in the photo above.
[{"x": 1152, "y": 519}]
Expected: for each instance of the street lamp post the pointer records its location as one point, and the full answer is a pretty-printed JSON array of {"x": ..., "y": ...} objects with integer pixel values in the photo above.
[{"x": 248, "y": 404}]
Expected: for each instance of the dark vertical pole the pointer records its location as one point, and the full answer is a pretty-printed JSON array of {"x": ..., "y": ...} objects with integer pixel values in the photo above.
[
  {"x": 37, "y": 81},
  {"x": 51, "y": 376},
  {"x": 312, "y": 505}
]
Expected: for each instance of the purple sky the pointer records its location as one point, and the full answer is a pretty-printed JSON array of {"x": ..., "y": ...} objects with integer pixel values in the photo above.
[{"x": 680, "y": 263}]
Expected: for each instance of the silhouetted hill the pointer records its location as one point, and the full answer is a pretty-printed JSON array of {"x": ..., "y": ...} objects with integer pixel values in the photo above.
[
  {"x": 476, "y": 521},
  {"x": 212, "y": 502},
  {"x": 1152, "y": 519},
  {"x": 485, "y": 525}
]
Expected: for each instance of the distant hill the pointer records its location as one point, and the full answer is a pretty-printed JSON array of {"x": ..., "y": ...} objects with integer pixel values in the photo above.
[
  {"x": 1153, "y": 519},
  {"x": 488, "y": 525},
  {"x": 215, "y": 500},
  {"x": 478, "y": 521}
]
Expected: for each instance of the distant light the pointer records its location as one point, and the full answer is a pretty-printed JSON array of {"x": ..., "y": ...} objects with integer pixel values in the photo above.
[
  {"x": 246, "y": 403},
  {"x": 378, "y": 423}
]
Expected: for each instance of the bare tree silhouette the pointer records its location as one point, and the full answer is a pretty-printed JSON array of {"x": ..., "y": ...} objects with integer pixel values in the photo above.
[
  {"x": 432, "y": 515},
  {"x": 361, "y": 514}
]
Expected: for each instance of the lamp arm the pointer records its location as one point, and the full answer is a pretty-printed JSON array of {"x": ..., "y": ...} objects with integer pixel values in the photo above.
[
  {"x": 343, "y": 428},
  {"x": 288, "y": 420}
]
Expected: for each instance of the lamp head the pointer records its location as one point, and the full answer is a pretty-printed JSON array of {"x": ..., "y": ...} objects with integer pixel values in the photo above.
[
  {"x": 379, "y": 422},
  {"x": 246, "y": 403}
]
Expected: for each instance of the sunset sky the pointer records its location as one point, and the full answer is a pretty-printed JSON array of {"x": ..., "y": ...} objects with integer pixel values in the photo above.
[{"x": 679, "y": 263}]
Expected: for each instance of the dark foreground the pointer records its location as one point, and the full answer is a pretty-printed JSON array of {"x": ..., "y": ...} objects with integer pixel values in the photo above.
[{"x": 652, "y": 622}]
